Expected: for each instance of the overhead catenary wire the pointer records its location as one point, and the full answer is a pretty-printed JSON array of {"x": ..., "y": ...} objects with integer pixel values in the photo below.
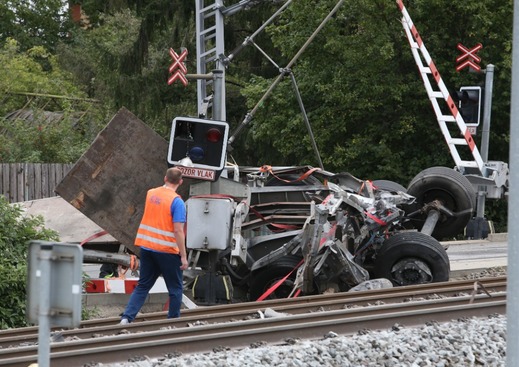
[
  {"x": 307, "y": 121},
  {"x": 250, "y": 39},
  {"x": 283, "y": 73}
]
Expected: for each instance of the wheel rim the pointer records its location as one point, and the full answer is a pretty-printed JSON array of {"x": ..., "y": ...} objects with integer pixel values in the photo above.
[
  {"x": 442, "y": 196},
  {"x": 410, "y": 271},
  {"x": 450, "y": 188}
]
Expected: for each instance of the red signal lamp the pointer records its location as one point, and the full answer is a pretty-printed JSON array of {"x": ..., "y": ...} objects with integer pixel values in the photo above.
[{"x": 214, "y": 135}]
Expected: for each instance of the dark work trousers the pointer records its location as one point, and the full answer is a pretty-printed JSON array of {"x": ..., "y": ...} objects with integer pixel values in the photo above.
[{"x": 152, "y": 265}]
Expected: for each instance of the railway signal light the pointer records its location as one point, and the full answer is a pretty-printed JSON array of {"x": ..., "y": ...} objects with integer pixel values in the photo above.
[
  {"x": 198, "y": 143},
  {"x": 469, "y": 104}
]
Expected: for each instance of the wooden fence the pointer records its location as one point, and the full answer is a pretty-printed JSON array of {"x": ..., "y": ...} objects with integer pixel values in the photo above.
[{"x": 30, "y": 181}]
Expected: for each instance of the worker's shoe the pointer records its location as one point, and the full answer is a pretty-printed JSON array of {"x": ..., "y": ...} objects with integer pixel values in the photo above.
[{"x": 124, "y": 322}]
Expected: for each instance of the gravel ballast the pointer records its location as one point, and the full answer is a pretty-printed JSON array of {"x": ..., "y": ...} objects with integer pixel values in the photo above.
[{"x": 466, "y": 342}]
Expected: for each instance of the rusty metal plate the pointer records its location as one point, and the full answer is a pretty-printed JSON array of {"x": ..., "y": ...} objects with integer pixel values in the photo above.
[{"x": 109, "y": 182}]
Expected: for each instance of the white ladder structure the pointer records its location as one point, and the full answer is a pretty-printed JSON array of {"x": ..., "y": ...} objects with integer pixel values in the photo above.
[
  {"x": 210, "y": 53},
  {"x": 209, "y": 47},
  {"x": 454, "y": 117}
]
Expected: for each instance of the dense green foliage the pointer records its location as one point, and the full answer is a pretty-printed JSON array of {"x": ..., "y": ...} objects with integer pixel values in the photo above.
[
  {"x": 122, "y": 57},
  {"x": 34, "y": 23},
  {"x": 16, "y": 230},
  {"x": 362, "y": 92},
  {"x": 61, "y": 126}
]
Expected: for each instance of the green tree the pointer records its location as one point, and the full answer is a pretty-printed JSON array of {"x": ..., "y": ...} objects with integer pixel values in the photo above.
[
  {"x": 363, "y": 94},
  {"x": 16, "y": 229},
  {"x": 45, "y": 115},
  {"x": 34, "y": 23},
  {"x": 128, "y": 66}
]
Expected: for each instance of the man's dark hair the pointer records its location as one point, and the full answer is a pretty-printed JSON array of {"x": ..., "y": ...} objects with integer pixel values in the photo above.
[{"x": 173, "y": 175}]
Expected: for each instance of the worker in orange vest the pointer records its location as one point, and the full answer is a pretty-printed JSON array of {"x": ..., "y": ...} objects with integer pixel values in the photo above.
[{"x": 161, "y": 240}]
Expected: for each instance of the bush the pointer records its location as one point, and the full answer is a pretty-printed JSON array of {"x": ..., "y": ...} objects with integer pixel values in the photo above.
[{"x": 15, "y": 232}]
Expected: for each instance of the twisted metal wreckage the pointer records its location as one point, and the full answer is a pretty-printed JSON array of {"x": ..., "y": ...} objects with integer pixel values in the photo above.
[
  {"x": 352, "y": 231},
  {"x": 339, "y": 233}
]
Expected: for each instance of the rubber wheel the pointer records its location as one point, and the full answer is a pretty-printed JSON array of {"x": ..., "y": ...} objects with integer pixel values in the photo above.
[
  {"x": 449, "y": 187},
  {"x": 386, "y": 185},
  {"x": 409, "y": 258},
  {"x": 263, "y": 279}
]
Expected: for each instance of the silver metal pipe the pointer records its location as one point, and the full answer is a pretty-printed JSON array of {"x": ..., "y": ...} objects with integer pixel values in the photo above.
[
  {"x": 512, "y": 294},
  {"x": 219, "y": 95},
  {"x": 487, "y": 109},
  {"x": 485, "y": 134},
  {"x": 430, "y": 222},
  {"x": 44, "y": 317}
]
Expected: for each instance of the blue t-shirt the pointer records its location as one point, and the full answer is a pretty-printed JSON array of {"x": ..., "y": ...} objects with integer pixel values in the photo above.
[{"x": 178, "y": 210}]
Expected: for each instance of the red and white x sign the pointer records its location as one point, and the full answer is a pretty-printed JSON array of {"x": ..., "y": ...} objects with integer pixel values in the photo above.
[
  {"x": 472, "y": 59},
  {"x": 178, "y": 68}
]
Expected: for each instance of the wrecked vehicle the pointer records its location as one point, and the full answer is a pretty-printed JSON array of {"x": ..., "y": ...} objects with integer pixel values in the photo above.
[
  {"x": 270, "y": 232},
  {"x": 332, "y": 238}
]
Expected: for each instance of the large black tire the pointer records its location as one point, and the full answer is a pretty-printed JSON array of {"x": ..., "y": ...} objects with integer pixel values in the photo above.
[
  {"x": 409, "y": 258},
  {"x": 261, "y": 280},
  {"x": 449, "y": 187},
  {"x": 387, "y": 185}
]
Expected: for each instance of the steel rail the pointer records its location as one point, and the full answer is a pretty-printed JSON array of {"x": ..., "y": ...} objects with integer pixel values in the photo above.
[
  {"x": 238, "y": 334},
  {"x": 223, "y": 313},
  {"x": 360, "y": 298}
]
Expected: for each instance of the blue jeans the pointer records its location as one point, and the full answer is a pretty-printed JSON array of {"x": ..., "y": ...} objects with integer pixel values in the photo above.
[{"x": 152, "y": 265}]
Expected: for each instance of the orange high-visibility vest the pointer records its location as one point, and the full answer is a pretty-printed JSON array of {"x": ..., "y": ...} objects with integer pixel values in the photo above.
[{"x": 156, "y": 230}]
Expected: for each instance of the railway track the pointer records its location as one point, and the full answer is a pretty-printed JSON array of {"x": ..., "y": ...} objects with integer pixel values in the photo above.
[{"x": 239, "y": 325}]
